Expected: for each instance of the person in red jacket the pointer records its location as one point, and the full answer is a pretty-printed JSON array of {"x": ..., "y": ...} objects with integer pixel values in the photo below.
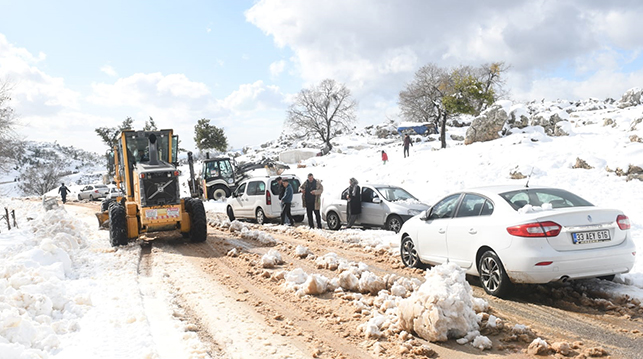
[{"x": 384, "y": 157}]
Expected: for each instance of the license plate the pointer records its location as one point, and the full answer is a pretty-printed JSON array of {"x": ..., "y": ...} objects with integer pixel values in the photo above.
[{"x": 591, "y": 237}]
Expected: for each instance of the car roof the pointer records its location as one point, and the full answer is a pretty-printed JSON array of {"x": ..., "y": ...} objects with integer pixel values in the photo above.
[{"x": 500, "y": 188}]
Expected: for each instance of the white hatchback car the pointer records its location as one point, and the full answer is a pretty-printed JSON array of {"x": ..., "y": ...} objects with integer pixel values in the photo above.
[
  {"x": 258, "y": 198},
  {"x": 513, "y": 234}
]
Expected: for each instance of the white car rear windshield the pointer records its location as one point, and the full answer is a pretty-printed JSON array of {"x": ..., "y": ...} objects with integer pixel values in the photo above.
[{"x": 536, "y": 197}]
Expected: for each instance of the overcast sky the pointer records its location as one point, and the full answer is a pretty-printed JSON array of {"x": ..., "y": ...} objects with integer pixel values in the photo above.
[{"x": 79, "y": 65}]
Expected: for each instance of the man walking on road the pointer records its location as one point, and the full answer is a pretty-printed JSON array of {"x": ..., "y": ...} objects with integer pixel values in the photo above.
[{"x": 63, "y": 190}]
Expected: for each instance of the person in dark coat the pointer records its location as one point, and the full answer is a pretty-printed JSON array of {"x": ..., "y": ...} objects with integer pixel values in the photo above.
[
  {"x": 63, "y": 190},
  {"x": 407, "y": 144},
  {"x": 354, "y": 197},
  {"x": 282, "y": 189},
  {"x": 286, "y": 202},
  {"x": 311, "y": 191}
]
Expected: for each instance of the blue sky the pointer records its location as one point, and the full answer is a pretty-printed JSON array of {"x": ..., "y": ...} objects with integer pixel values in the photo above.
[{"x": 78, "y": 65}]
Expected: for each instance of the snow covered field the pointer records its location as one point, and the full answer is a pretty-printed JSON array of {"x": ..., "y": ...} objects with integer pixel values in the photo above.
[{"x": 65, "y": 293}]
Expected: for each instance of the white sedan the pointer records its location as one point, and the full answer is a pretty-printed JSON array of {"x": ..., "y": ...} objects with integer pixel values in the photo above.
[{"x": 514, "y": 234}]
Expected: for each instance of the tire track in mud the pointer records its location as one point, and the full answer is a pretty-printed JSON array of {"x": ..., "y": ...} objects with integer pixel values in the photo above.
[
  {"x": 153, "y": 302},
  {"x": 280, "y": 312}
]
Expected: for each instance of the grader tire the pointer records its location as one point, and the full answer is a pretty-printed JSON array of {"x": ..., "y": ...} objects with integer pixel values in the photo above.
[
  {"x": 198, "y": 220},
  {"x": 117, "y": 225}
]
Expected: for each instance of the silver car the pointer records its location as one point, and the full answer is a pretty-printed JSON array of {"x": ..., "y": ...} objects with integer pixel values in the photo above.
[
  {"x": 114, "y": 192},
  {"x": 93, "y": 191},
  {"x": 382, "y": 206}
]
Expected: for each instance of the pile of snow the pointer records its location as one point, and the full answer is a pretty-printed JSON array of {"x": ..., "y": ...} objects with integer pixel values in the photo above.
[
  {"x": 244, "y": 231},
  {"x": 442, "y": 308},
  {"x": 36, "y": 264}
]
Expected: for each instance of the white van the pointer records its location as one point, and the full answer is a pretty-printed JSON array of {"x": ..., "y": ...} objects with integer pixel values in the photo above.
[{"x": 258, "y": 198}]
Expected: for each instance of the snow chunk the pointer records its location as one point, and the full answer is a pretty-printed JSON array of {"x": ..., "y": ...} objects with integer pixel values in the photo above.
[
  {"x": 442, "y": 307},
  {"x": 328, "y": 261},
  {"x": 271, "y": 259},
  {"x": 371, "y": 283},
  {"x": 315, "y": 284},
  {"x": 302, "y": 251},
  {"x": 481, "y": 342},
  {"x": 538, "y": 347}
]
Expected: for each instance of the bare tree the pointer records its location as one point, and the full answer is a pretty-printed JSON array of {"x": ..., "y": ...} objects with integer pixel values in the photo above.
[
  {"x": 38, "y": 180},
  {"x": 8, "y": 140},
  {"x": 325, "y": 110}
]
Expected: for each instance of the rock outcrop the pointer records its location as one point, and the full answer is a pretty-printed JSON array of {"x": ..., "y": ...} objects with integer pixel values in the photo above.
[{"x": 487, "y": 126}]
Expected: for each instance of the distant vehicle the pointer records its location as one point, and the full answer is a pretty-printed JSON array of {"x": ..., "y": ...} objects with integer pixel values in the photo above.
[
  {"x": 93, "y": 191},
  {"x": 220, "y": 176},
  {"x": 382, "y": 206},
  {"x": 513, "y": 234},
  {"x": 258, "y": 198},
  {"x": 114, "y": 192}
]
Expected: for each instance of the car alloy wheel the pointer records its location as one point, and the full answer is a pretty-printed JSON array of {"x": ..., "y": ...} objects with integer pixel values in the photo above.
[
  {"x": 408, "y": 253},
  {"x": 394, "y": 223},
  {"x": 333, "y": 221},
  {"x": 493, "y": 277},
  {"x": 260, "y": 217}
]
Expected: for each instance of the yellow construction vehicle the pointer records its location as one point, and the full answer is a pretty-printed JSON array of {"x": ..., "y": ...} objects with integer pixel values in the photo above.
[{"x": 146, "y": 171}]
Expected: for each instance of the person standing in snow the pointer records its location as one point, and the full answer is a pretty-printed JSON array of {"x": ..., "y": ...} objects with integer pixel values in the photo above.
[
  {"x": 354, "y": 197},
  {"x": 63, "y": 190},
  {"x": 286, "y": 202},
  {"x": 311, "y": 191},
  {"x": 407, "y": 144},
  {"x": 384, "y": 157}
]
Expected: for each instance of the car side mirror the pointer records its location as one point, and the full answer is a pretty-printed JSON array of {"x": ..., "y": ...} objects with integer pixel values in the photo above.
[
  {"x": 377, "y": 200},
  {"x": 426, "y": 214}
]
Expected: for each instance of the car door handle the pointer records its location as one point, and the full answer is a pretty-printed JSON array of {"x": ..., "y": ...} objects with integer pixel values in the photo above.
[
  {"x": 472, "y": 231},
  {"x": 442, "y": 231}
]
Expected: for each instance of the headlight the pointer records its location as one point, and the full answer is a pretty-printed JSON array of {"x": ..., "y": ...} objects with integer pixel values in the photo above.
[{"x": 414, "y": 212}]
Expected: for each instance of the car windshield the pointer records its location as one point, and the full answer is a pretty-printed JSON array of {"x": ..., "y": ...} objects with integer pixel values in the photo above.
[
  {"x": 537, "y": 197},
  {"x": 393, "y": 194},
  {"x": 100, "y": 186}
]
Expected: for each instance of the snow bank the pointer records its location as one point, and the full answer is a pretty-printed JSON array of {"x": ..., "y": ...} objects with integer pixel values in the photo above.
[
  {"x": 35, "y": 306},
  {"x": 442, "y": 307}
]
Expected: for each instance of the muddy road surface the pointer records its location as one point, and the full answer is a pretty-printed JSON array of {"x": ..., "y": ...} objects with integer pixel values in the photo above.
[{"x": 241, "y": 308}]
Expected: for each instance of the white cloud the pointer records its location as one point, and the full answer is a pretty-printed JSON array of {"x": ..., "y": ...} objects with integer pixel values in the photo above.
[
  {"x": 140, "y": 90},
  {"x": 277, "y": 67},
  {"x": 254, "y": 97},
  {"x": 109, "y": 70},
  {"x": 380, "y": 48},
  {"x": 34, "y": 92}
]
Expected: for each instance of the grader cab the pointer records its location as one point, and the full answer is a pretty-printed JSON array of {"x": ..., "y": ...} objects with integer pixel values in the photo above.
[{"x": 146, "y": 171}]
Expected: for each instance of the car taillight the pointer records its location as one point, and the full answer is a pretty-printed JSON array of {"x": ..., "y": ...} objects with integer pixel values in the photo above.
[
  {"x": 268, "y": 198},
  {"x": 623, "y": 222},
  {"x": 536, "y": 229},
  {"x": 176, "y": 173},
  {"x": 95, "y": 191}
]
